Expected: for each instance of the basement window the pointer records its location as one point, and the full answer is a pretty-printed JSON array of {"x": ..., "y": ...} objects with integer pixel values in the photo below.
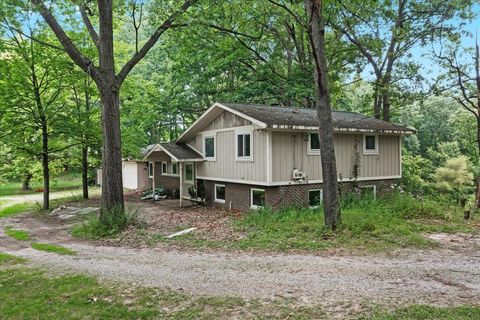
[
  {"x": 219, "y": 193},
  {"x": 257, "y": 198},
  {"x": 369, "y": 191},
  {"x": 370, "y": 144},
  {"x": 315, "y": 197}
]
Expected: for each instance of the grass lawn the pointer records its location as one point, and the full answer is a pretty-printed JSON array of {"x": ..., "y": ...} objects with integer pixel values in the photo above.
[
  {"x": 424, "y": 312},
  {"x": 394, "y": 221},
  {"x": 15, "y": 209},
  {"x": 62, "y": 182},
  {"x": 29, "y": 293},
  {"x": 33, "y": 294},
  {"x": 6, "y": 258},
  {"x": 17, "y": 234},
  {"x": 53, "y": 248}
]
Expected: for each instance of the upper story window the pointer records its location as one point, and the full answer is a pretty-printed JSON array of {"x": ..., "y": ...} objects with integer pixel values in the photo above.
[
  {"x": 370, "y": 144},
  {"x": 244, "y": 146},
  {"x": 209, "y": 147},
  {"x": 313, "y": 144},
  {"x": 174, "y": 168}
]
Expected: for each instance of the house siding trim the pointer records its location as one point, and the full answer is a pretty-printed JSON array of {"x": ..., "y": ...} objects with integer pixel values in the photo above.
[{"x": 293, "y": 183}]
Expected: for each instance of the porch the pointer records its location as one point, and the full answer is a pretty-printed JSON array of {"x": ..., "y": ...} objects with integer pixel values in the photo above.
[{"x": 173, "y": 166}]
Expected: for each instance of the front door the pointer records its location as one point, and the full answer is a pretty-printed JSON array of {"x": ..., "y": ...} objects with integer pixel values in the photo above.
[{"x": 188, "y": 179}]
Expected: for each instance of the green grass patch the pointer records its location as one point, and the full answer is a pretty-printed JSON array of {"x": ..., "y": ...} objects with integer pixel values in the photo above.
[
  {"x": 62, "y": 182},
  {"x": 53, "y": 248},
  {"x": 31, "y": 294},
  {"x": 15, "y": 209},
  {"x": 16, "y": 234},
  {"x": 424, "y": 312},
  {"x": 6, "y": 258},
  {"x": 396, "y": 220},
  {"x": 393, "y": 221}
]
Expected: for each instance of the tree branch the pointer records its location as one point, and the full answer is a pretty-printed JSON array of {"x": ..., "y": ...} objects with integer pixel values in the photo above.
[
  {"x": 83, "y": 62},
  {"x": 167, "y": 24},
  {"x": 88, "y": 24}
]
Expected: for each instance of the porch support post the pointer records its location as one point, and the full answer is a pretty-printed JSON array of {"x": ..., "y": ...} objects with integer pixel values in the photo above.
[
  {"x": 153, "y": 180},
  {"x": 181, "y": 182}
]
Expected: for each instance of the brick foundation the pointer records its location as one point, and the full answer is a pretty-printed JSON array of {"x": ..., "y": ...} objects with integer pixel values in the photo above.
[{"x": 237, "y": 196}]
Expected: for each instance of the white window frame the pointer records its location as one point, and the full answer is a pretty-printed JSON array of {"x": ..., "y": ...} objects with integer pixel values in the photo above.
[
  {"x": 244, "y": 158},
  {"x": 151, "y": 172},
  {"x": 170, "y": 169},
  {"x": 205, "y": 136},
  {"x": 374, "y": 189},
  {"x": 321, "y": 197},
  {"x": 252, "y": 206},
  {"x": 215, "y": 193},
  {"x": 370, "y": 151},
  {"x": 193, "y": 172},
  {"x": 174, "y": 164},
  {"x": 166, "y": 168},
  {"x": 310, "y": 151}
]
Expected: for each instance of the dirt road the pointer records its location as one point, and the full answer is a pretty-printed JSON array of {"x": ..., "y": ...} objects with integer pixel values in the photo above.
[{"x": 439, "y": 277}]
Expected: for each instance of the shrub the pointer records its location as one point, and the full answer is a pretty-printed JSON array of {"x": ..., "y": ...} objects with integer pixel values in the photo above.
[{"x": 110, "y": 224}]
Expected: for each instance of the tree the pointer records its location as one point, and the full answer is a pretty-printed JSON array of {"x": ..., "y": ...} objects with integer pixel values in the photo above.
[
  {"x": 454, "y": 177},
  {"x": 33, "y": 100},
  {"x": 84, "y": 116},
  {"x": 316, "y": 33},
  {"x": 384, "y": 32},
  {"x": 109, "y": 83},
  {"x": 462, "y": 83}
]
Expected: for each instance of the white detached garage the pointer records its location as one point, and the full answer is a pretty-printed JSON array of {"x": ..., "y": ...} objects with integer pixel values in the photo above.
[{"x": 134, "y": 175}]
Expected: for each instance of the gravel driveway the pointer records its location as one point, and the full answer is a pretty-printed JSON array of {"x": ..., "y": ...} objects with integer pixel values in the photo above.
[{"x": 439, "y": 277}]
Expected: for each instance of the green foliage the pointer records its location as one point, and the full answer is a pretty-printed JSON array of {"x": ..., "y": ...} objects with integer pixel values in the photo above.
[
  {"x": 110, "y": 225},
  {"x": 396, "y": 220},
  {"x": 53, "y": 248},
  {"x": 16, "y": 234},
  {"x": 416, "y": 173},
  {"x": 454, "y": 176}
]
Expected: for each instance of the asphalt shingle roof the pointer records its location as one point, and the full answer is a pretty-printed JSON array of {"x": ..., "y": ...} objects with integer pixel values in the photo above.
[
  {"x": 289, "y": 116},
  {"x": 181, "y": 151}
]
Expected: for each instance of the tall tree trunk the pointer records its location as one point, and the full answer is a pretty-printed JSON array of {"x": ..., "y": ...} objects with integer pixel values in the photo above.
[
  {"x": 85, "y": 171},
  {"x": 477, "y": 194},
  {"x": 331, "y": 202},
  {"x": 45, "y": 166},
  {"x": 377, "y": 99},
  {"x": 109, "y": 89},
  {"x": 386, "y": 105},
  {"x": 112, "y": 186}
]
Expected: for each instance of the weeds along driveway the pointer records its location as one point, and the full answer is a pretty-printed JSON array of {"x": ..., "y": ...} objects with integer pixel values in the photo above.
[{"x": 439, "y": 277}]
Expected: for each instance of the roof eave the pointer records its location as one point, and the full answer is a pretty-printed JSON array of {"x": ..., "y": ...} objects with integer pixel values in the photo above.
[{"x": 344, "y": 129}]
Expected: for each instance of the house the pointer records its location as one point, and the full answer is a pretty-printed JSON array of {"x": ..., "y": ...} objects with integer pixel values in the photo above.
[
  {"x": 134, "y": 175},
  {"x": 248, "y": 156}
]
